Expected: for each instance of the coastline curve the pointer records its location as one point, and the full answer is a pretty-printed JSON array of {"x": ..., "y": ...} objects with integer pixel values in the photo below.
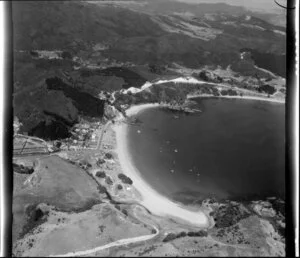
[{"x": 157, "y": 204}]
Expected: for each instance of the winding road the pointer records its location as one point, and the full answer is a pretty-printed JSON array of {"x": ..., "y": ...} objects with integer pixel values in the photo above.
[{"x": 119, "y": 242}]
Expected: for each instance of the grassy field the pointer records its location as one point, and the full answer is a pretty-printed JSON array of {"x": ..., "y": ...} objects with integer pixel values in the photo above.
[{"x": 55, "y": 182}]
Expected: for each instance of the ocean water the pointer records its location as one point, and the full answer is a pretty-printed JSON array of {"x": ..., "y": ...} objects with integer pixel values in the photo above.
[{"x": 233, "y": 149}]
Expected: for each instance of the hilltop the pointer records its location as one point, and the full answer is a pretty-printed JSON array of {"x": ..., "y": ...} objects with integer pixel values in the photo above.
[{"x": 103, "y": 47}]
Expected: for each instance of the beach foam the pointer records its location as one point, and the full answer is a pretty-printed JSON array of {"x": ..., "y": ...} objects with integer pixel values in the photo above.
[{"x": 151, "y": 199}]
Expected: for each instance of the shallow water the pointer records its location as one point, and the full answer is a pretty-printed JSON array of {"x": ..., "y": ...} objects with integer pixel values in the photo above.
[{"x": 233, "y": 149}]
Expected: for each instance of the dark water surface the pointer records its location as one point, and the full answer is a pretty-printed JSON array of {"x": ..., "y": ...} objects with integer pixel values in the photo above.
[{"x": 233, "y": 149}]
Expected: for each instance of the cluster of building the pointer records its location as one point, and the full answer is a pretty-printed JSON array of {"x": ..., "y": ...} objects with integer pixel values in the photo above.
[
  {"x": 47, "y": 54},
  {"x": 83, "y": 135}
]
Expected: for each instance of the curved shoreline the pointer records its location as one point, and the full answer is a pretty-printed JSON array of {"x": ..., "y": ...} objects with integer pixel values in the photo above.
[
  {"x": 155, "y": 202},
  {"x": 279, "y": 101},
  {"x": 151, "y": 199}
]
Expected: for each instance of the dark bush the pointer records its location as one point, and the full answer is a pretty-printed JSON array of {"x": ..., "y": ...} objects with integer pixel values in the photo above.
[
  {"x": 108, "y": 155},
  {"x": 281, "y": 231},
  {"x": 120, "y": 187},
  {"x": 268, "y": 79},
  {"x": 101, "y": 189},
  {"x": 229, "y": 215},
  {"x": 205, "y": 90},
  {"x": 22, "y": 169},
  {"x": 108, "y": 181},
  {"x": 267, "y": 89},
  {"x": 125, "y": 212},
  {"x": 224, "y": 92},
  {"x": 182, "y": 234},
  {"x": 72, "y": 162},
  {"x": 231, "y": 92},
  {"x": 35, "y": 216},
  {"x": 278, "y": 206},
  {"x": 100, "y": 162},
  {"x": 100, "y": 174},
  {"x": 282, "y": 90},
  {"x": 219, "y": 79},
  {"x": 191, "y": 234},
  {"x": 215, "y": 92},
  {"x": 156, "y": 68},
  {"x": 203, "y": 76},
  {"x": 34, "y": 53},
  {"x": 170, "y": 237},
  {"x": 84, "y": 164},
  {"x": 66, "y": 55},
  {"x": 57, "y": 144},
  {"x": 125, "y": 179},
  {"x": 202, "y": 233}
]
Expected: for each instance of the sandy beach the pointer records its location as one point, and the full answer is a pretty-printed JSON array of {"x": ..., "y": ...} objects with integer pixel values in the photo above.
[
  {"x": 281, "y": 101},
  {"x": 151, "y": 199},
  {"x": 192, "y": 80},
  {"x": 156, "y": 203}
]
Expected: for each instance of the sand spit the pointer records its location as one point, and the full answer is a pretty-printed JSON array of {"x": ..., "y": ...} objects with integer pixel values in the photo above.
[
  {"x": 151, "y": 199},
  {"x": 192, "y": 80},
  {"x": 281, "y": 101},
  {"x": 137, "y": 108},
  {"x": 188, "y": 80}
]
